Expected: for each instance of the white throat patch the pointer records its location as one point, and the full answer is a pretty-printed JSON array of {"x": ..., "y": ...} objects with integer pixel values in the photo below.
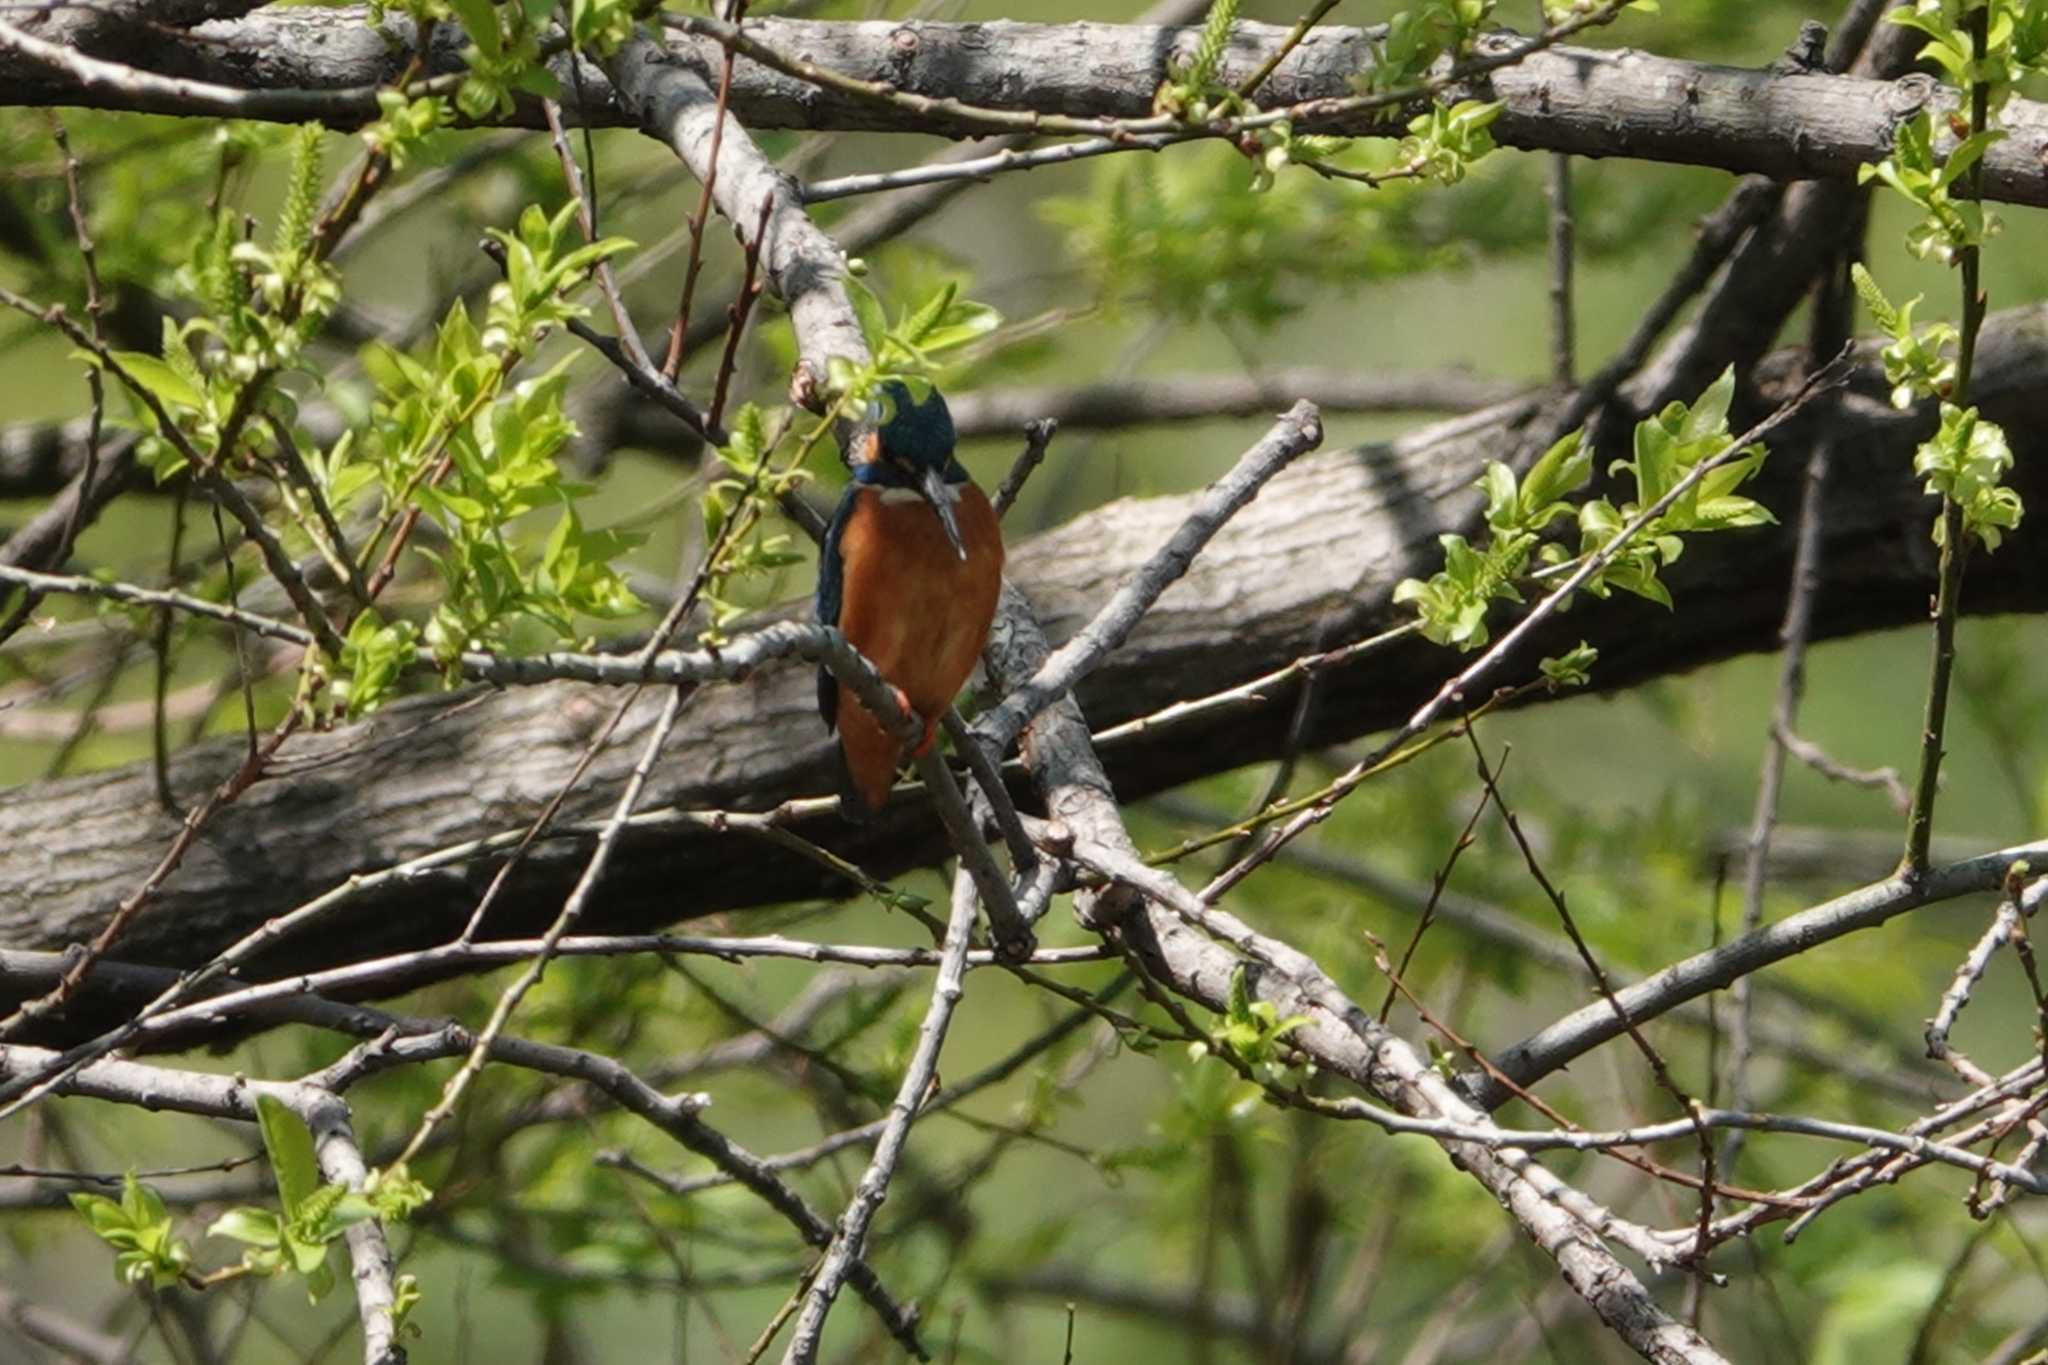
[{"x": 894, "y": 495}]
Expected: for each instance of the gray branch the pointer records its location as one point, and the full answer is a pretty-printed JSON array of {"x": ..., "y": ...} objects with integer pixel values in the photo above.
[
  {"x": 234, "y": 1097},
  {"x": 1299, "y": 431},
  {"x": 1566, "y": 1224},
  {"x": 1312, "y": 561},
  {"x": 1864, "y": 908},
  {"x": 918, "y": 1079},
  {"x": 670, "y": 96},
  {"x": 298, "y": 63}
]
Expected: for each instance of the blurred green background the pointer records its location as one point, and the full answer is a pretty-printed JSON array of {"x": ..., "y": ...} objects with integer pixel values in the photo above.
[{"x": 1102, "y": 1164}]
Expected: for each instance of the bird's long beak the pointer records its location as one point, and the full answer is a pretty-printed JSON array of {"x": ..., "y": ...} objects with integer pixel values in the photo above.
[{"x": 942, "y": 495}]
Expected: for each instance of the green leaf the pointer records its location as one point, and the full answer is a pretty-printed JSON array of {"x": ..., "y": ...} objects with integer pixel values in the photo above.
[
  {"x": 480, "y": 21},
  {"x": 1655, "y": 465},
  {"x": 307, "y": 1257},
  {"x": 102, "y": 1214},
  {"x": 290, "y": 1144},
  {"x": 1562, "y": 471},
  {"x": 1503, "y": 500},
  {"x": 919, "y": 323},
  {"x": 1708, "y": 416},
  {"x": 139, "y": 1229},
  {"x": 874, "y": 323},
  {"x": 1571, "y": 669},
  {"x": 257, "y": 1227},
  {"x": 162, "y": 381}
]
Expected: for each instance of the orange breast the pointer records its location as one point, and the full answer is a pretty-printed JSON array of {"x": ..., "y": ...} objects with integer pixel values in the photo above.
[{"x": 911, "y": 605}]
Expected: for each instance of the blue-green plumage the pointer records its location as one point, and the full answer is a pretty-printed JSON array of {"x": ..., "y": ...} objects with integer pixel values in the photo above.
[
  {"x": 917, "y": 439},
  {"x": 909, "y": 570}
]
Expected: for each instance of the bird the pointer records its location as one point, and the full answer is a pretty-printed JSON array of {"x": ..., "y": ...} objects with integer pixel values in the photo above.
[{"x": 910, "y": 569}]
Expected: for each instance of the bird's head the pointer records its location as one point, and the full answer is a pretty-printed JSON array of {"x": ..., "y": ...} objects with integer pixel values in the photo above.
[{"x": 902, "y": 443}]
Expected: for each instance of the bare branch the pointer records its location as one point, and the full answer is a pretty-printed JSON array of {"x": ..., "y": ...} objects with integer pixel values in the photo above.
[
  {"x": 1865, "y": 908},
  {"x": 1300, "y": 430},
  {"x": 918, "y": 1078}
]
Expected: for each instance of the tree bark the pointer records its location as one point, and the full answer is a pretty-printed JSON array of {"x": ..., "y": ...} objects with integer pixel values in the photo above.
[
  {"x": 1311, "y": 563},
  {"x": 1583, "y": 101}
]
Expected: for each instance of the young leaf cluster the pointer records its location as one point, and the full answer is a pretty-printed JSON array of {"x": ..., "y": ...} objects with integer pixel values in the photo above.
[
  {"x": 1415, "y": 39},
  {"x": 291, "y": 1240},
  {"x": 2017, "y": 41},
  {"x": 736, "y": 510},
  {"x": 1442, "y": 144},
  {"x": 1452, "y": 605},
  {"x": 1949, "y": 224},
  {"x": 295, "y": 1238},
  {"x": 403, "y": 124},
  {"x": 1250, "y": 1032},
  {"x": 258, "y": 308},
  {"x": 1918, "y": 364},
  {"x": 1453, "y": 602},
  {"x": 1669, "y": 447},
  {"x": 1966, "y": 461},
  {"x": 504, "y": 56},
  {"x": 907, "y": 350},
  {"x": 477, "y": 454},
  {"x": 147, "y": 1249}
]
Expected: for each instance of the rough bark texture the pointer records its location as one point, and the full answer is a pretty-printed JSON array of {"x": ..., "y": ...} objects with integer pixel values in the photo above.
[
  {"x": 1585, "y": 101},
  {"x": 1311, "y": 563}
]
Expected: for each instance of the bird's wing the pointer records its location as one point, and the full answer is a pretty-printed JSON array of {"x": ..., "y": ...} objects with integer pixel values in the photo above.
[{"x": 831, "y": 583}]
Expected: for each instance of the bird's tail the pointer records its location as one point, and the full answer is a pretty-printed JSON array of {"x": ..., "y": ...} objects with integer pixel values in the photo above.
[{"x": 868, "y": 759}]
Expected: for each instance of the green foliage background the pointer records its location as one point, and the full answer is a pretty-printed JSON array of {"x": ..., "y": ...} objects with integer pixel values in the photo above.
[{"x": 1149, "y": 1167}]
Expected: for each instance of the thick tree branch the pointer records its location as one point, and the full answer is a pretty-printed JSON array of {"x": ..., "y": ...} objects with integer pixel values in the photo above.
[
  {"x": 300, "y": 63},
  {"x": 1313, "y": 560}
]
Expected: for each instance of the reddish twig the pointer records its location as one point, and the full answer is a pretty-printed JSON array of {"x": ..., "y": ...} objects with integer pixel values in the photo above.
[
  {"x": 672, "y": 363},
  {"x": 739, "y": 309},
  {"x": 1658, "y": 1068}
]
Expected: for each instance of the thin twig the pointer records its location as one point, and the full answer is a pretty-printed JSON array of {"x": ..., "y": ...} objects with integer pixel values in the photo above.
[
  {"x": 1298, "y": 431},
  {"x": 1250, "y": 85},
  {"x": 1831, "y": 327},
  {"x": 1038, "y": 434},
  {"x": 1658, "y": 1067},
  {"x": 672, "y": 363},
  {"x": 82, "y": 503},
  {"x": 1467, "y": 681},
  {"x": 1437, "y": 885},
  {"x": 918, "y": 1079},
  {"x": 1864, "y": 908},
  {"x": 1954, "y": 546}
]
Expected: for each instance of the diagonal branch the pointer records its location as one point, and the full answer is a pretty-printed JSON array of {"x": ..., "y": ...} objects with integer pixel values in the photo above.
[
  {"x": 918, "y": 1079},
  {"x": 1864, "y": 908},
  {"x": 1297, "y": 432},
  {"x": 1328, "y": 538},
  {"x": 1338, "y": 1034}
]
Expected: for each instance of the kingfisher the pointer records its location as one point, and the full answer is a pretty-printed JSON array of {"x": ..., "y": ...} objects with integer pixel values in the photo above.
[{"x": 910, "y": 571}]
